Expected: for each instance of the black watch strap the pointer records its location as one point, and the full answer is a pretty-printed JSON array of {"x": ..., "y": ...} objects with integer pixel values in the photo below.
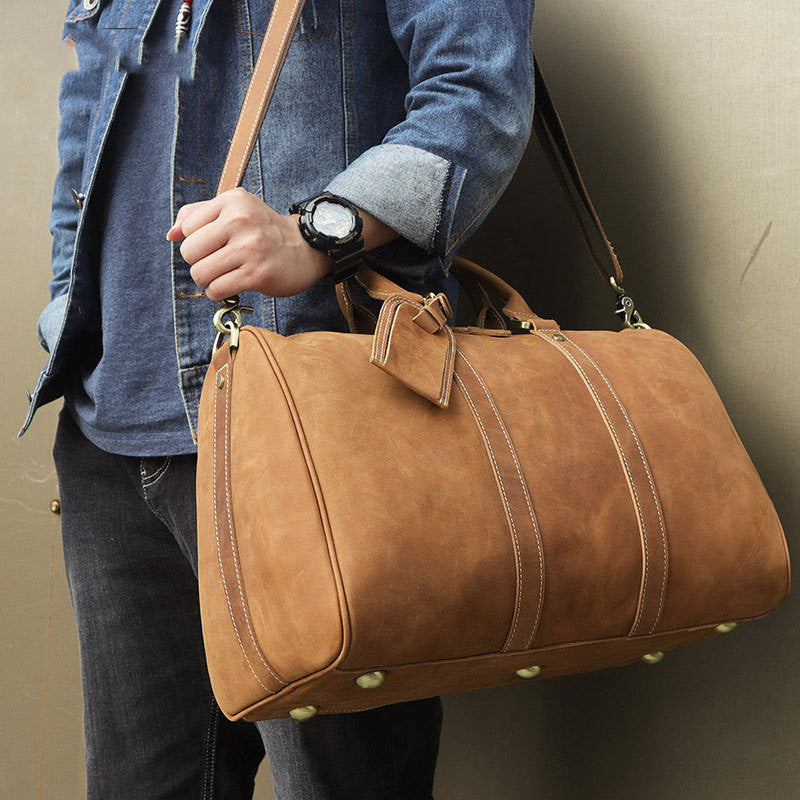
[{"x": 347, "y": 263}]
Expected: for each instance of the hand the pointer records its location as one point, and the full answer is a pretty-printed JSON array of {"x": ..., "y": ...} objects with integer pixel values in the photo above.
[{"x": 235, "y": 242}]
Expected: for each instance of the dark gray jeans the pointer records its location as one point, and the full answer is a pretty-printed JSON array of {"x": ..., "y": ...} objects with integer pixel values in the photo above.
[{"x": 152, "y": 726}]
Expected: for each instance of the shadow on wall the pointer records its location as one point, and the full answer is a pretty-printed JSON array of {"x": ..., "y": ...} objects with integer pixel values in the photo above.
[{"x": 712, "y": 721}]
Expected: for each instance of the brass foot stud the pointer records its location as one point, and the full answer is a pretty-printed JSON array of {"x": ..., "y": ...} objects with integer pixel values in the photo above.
[
  {"x": 652, "y": 658},
  {"x": 529, "y": 672},
  {"x": 725, "y": 627},
  {"x": 303, "y": 713},
  {"x": 371, "y": 680}
]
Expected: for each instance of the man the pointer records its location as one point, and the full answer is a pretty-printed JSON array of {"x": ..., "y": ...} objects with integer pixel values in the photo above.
[{"x": 412, "y": 115}]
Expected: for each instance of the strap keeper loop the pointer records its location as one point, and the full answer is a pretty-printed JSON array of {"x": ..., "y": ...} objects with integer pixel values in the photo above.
[{"x": 435, "y": 312}]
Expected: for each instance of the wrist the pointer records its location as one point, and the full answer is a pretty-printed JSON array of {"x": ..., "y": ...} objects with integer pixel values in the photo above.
[{"x": 318, "y": 262}]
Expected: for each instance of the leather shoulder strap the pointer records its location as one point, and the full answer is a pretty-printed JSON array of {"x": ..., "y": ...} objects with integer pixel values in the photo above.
[
  {"x": 547, "y": 125},
  {"x": 282, "y": 22}
]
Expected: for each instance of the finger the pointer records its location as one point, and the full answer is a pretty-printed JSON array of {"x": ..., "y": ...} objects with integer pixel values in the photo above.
[
  {"x": 182, "y": 212},
  {"x": 213, "y": 266},
  {"x": 232, "y": 282},
  {"x": 193, "y": 216},
  {"x": 204, "y": 241}
]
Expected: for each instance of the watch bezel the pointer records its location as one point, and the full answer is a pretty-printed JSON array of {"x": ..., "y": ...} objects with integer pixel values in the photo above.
[{"x": 315, "y": 237}]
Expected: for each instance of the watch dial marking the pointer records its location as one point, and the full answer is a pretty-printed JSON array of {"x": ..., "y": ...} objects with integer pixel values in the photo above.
[{"x": 333, "y": 219}]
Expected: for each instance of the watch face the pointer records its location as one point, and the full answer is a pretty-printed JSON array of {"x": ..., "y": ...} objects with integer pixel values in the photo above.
[{"x": 333, "y": 219}]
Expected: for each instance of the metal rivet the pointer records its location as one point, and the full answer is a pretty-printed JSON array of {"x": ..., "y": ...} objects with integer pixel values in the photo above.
[
  {"x": 371, "y": 680},
  {"x": 55, "y": 505},
  {"x": 529, "y": 672},
  {"x": 220, "y": 380},
  {"x": 78, "y": 197},
  {"x": 652, "y": 658},
  {"x": 559, "y": 337},
  {"x": 90, "y": 4},
  {"x": 303, "y": 713},
  {"x": 725, "y": 627}
]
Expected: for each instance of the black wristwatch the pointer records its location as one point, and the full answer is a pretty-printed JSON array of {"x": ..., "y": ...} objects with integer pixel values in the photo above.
[{"x": 332, "y": 224}]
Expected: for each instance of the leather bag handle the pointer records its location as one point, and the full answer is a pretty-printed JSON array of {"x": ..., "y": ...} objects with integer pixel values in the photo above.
[{"x": 546, "y": 123}]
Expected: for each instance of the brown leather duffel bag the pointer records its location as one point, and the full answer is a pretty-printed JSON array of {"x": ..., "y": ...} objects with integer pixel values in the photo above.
[{"x": 425, "y": 508}]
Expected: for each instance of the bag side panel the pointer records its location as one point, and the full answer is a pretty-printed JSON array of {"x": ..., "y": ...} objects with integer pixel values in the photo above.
[
  {"x": 286, "y": 566},
  {"x": 728, "y": 557},
  {"x": 257, "y": 636}
]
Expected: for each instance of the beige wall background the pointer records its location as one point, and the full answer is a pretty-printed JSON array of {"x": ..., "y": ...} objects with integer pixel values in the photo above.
[{"x": 685, "y": 116}]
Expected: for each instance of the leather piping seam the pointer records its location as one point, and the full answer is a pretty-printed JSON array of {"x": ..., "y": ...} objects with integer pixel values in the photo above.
[
  {"x": 507, "y": 505},
  {"x": 626, "y": 467},
  {"x": 525, "y": 493},
  {"x": 223, "y": 368},
  {"x": 234, "y": 544},
  {"x": 650, "y": 479},
  {"x": 341, "y": 595}
]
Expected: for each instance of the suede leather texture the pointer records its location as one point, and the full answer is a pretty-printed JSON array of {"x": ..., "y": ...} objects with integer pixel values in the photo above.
[{"x": 581, "y": 499}]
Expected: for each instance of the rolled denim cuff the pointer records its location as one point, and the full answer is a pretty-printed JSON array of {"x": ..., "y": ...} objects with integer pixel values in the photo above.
[
  {"x": 414, "y": 192},
  {"x": 51, "y": 318}
]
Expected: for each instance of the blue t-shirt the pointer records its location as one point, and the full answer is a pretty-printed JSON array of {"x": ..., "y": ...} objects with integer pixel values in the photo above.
[{"x": 129, "y": 401}]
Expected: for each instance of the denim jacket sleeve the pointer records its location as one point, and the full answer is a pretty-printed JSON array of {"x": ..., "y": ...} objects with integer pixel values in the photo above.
[{"x": 437, "y": 173}]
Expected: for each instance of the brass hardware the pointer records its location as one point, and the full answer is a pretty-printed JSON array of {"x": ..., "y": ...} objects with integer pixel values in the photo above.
[
  {"x": 529, "y": 672},
  {"x": 652, "y": 658},
  {"x": 559, "y": 337},
  {"x": 230, "y": 305},
  {"x": 371, "y": 680},
  {"x": 55, "y": 505},
  {"x": 439, "y": 298},
  {"x": 626, "y": 308},
  {"x": 726, "y": 627},
  {"x": 220, "y": 380},
  {"x": 303, "y": 713},
  {"x": 520, "y": 325}
]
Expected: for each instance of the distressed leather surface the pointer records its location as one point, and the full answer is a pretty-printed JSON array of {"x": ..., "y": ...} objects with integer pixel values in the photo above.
[
  {"x": 582, "y": 499},
  {"x": 453, "y": 504}
]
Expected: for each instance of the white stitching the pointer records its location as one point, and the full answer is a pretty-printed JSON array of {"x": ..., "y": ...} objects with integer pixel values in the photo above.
[
  {"x": 610, "y": 425},
  {"x": 647, "y": 471},
  {"x": 444, "y": 397},
  {"x": 486, "y": 439},
  {"x": 268, "y": 84},
  {"x": 379, "y": 352},
  {"x": 149, "y": 480},
  {"x": 374, "y": 292},
  {"x": 385, "y": 335},
  {"x": 219, "y": 548},
  {"x": 386, "y": 329},
  {"x": 233, "y": 546},
  {"x": 527, "y": 498}
]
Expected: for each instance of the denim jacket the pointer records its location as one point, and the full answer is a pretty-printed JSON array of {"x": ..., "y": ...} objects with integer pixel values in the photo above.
[{"x": 418, "y": 111}]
